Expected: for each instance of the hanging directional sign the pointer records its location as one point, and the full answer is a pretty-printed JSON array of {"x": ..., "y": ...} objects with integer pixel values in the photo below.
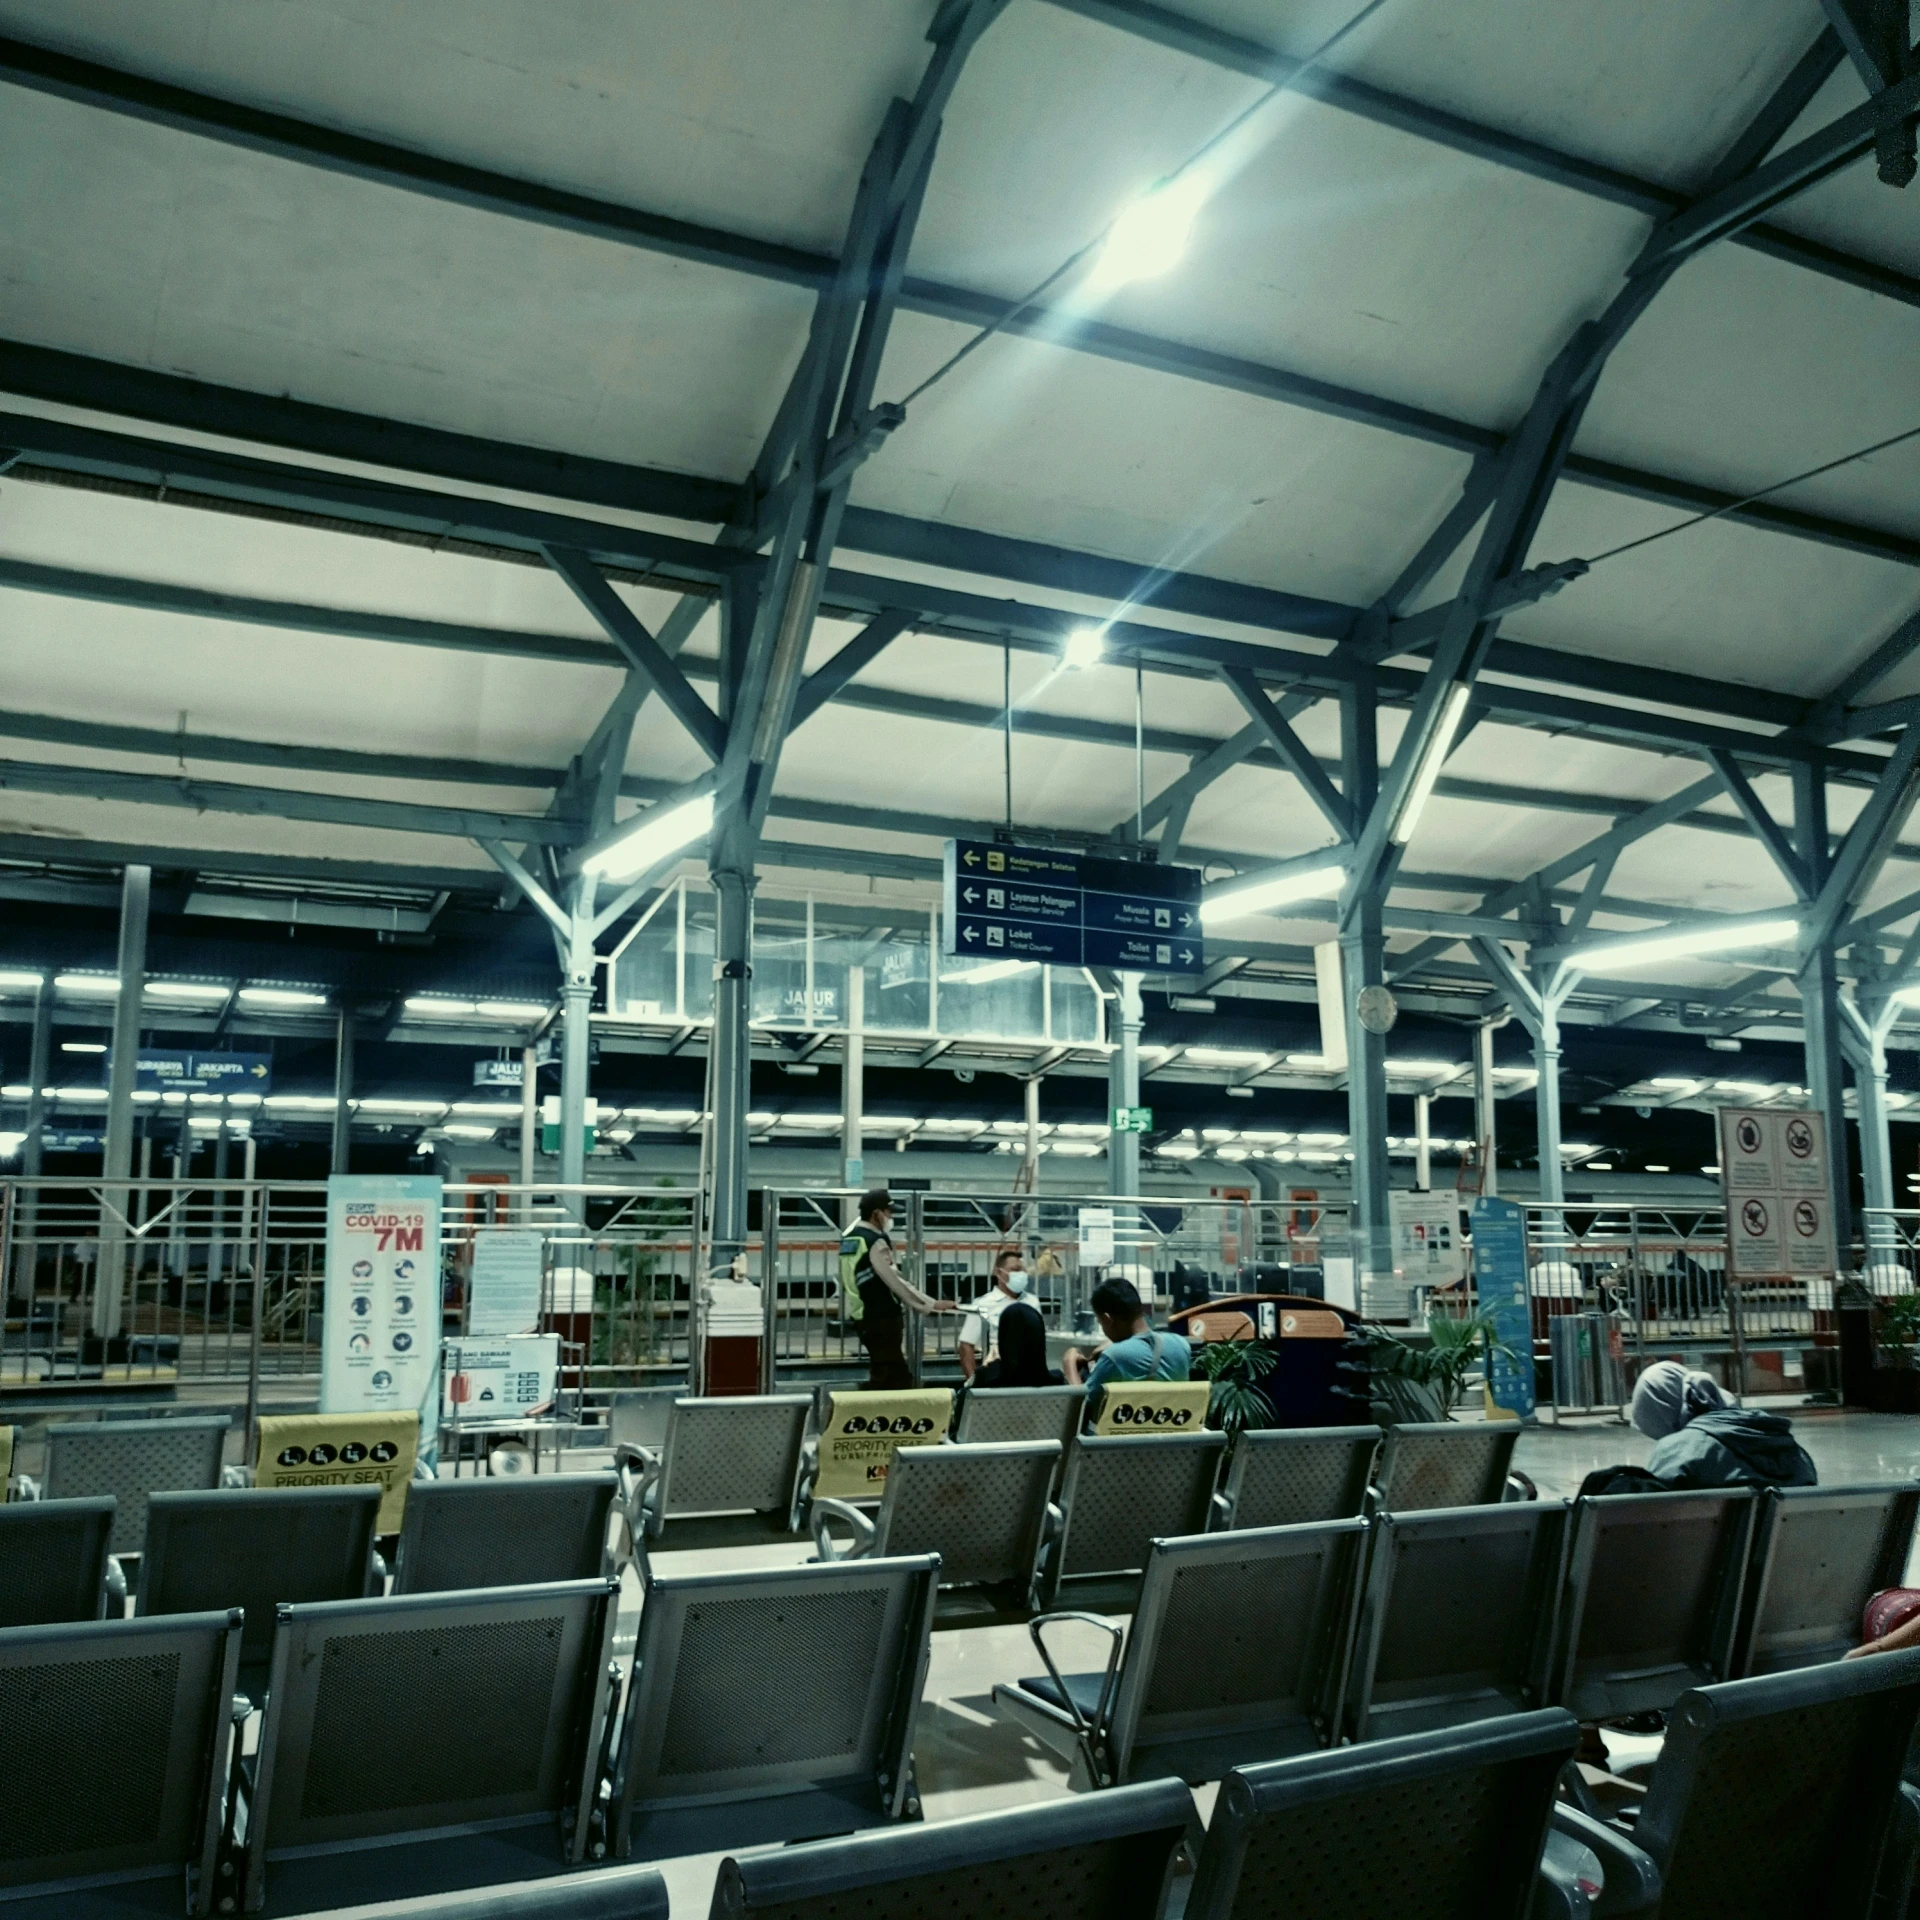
[
  {"x": 161, "y": 1069},
  {"x": 1033, "y": 903}
]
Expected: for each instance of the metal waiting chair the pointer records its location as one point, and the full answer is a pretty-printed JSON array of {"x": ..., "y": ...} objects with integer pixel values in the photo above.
[
  {"x": 1773, "y": 1798},
  {"x": 54, "y": 1563},
  {"x": 609, "y": 1893},
  {"x": 982, "y": 1509},
  {"x": 430, "y": 1744},
  {"x": 254, "y": 1548},
  {"x": 773, "y": 1705},
  {"x": 1457, "y": 1617},
  {"x": 118, "y": 1734},
  {"x": 991, "y": 1415},
  {"x": 1106, "y": 1858},
  {"x": 1237, "y": 1652},
  {"x": 1650, "y": 1605},
  {"x": 728, "y": 1472},
  {"x": 1448, "y": 1825},
  {"x": 1293, "y": 1476},
  {"x": 1118, "y": 1497},
  {"x": 1819, "y": 1555},
  {"x": 130, "y": 1459},
  {"x": 1445, "y": 1463},
  {"x": 494, "y": 1532}
]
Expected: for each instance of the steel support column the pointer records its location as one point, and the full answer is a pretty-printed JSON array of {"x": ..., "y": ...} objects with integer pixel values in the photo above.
[
  {"x": 1423, "y": 1141},
  {"x": 26, "y": 1228},
  {"x": 732, "y": 1044},
  {"x": 576, "y": 1024},
  {"x": 342, "y": 1091},
  {"x": 1123, "y": 1086},
  {"x": 1820, "y": 1016},
  {"x": 853, "y": 1073},
  {"x": 1546, "y": 1101},
  {"x": 529, "y": 1125},
  {"x": 1486, "y": 1121},
  {"x": 1864, "y": 1035},
  {"x": 136, "y": 891},
  {"x": 1363, "y": 952}
]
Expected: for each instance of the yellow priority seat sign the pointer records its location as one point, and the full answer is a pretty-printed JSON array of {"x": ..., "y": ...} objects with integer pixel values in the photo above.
[
  {"x": 864, "y": 1429},
  {"x": 1152, "y": 1406},
  {"x": 341, "y": 1450}
]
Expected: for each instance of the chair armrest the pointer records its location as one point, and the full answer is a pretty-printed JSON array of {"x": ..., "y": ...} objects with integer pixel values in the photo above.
[
  {"x": 819, "y": 1519},
  {"x": 1080, "y": 1726},
  {"x": 116, "y": 1584},
  {"x": 26, "y": 1487},
  {"x": 638, "y": 1469},
  {"x": 1520, "y": 1486},
  {"x": 378, "y": 1569},
  {"x": 236, "y": 1476},
  {"x": 1220, "y": 1514},
  {"x": 1633, "y": 1881}
]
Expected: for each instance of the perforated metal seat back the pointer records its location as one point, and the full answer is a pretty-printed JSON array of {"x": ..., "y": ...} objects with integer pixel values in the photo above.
[
  {"x": 398, "y": 1716},
  {"x": 1652, "y": 1598},
  {"x": 1293, "y": 1476},
  {"x": 1103, "y": 1857},
  {"x": 257, "y": 1548},
  {"x": 1779, "y": 1815},
  {"x": 1239, "y": 1635},
  {"x": 131, "y": 1459},
  {"x": 1458, "y": 1616},
  {"x": 980, "y": 1508},
  {"x": 1123, "y": 1494},
  {"x": 461, "y": 1534},
  {"x": 1397, "y": 1831},
  {"x": 1819, "y": 1555},
  {"x": 642, "y": 1416},
  {"x": 53, "y": 1560},
  {"x": 734, "y": 1456},
  {"x": 115, "y": 1733},
  {"x": 1444, "y": 1464},
  {"x": 788, "y": 1678},
  {"x": 990, "y": 1415}
]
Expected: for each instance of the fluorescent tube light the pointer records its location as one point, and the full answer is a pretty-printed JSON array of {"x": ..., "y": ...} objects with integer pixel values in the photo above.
[
  {"x": 424, "y": 1003},
  {"x": 190, "y": 990},
  {"x": 1151, "y": 235},
  {"x": 1308, "y": 883},
  {"x": 14, "y": 980},
  {"x": 83, "y": 1046},
  {"x": 1452, "y": 712},
  {"x": 651, "y": 837},
  {"x": 286, "y": 999},
  {"x": 1644, "y": 951},
  {"x": 993, "y": 970},
  {"x": 512, "y": 1009},
  {"x": 103, "y": 983},
  {"x": 1224, "y": 1057}
]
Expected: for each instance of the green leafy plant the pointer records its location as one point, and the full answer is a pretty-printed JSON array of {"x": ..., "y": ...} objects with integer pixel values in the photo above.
[
  {"x": 1426, "y": 1383},
  {"x": 1897, "y": 1328},
  {"x": 1232, "y": 1367}
]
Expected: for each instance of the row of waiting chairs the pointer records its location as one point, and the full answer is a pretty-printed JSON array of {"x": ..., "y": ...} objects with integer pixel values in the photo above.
[
  {"x": 1778, "y": 1796},
  {"x": 1275, "y": 1642},
  {"x": 449, "y": 1740}
]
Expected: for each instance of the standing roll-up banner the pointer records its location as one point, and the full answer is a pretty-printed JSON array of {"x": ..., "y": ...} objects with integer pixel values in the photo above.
[{"x": 380, "y": 1343}]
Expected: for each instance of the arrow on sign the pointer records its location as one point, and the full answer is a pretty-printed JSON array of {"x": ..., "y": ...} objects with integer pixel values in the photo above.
[
  {"x": 1186, "y": 920},
  {"x": 969, "y": 933},
  {"x": 971, "y": 895},
  {"x": 971, "y": 858},
  {"x": 1186, "y": 956},
  {"x": 259, "y": 1073}
]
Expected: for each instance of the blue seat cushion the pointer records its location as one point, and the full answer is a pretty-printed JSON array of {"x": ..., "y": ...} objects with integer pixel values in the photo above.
[{"x": 1083, "y": 1690}]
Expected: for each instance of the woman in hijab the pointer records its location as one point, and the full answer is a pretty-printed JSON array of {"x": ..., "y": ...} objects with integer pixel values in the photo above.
[
  {"x": 1023, "y": 1352},
  {"x": 1701, "y": 1439}
]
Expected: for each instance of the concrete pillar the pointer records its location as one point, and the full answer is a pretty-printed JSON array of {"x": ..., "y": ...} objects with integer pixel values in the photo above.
[
  {"x": 1030, "y": 1157},
  {"x": 249, "y": 1208},
  {"x": 217, "y": 1246},
  {"x": 732, "y": 1044},
  {"x": 576, "y": 1023},
  {"x": 182, "y": 1172},
  {"x": 853, "y": 1169},
  {"x": 1123, "y": 1086},
  {"x": 342, "y": 1091},
  {"x": 1363, "y": 964},
  {"x": 39, "y": 1070},
  {"x": 1423, "y": 1141},
  {"x": 1486, "y": 1124},
  {"x": 529, "y": 1124},
  {"x": 1546, "y": 1099},
  {"x": 1820, "y": 1014},
  {"x": 136, "y": 889}
]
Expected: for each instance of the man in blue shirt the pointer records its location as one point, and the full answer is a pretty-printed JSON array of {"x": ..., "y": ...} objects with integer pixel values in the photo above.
[{"x": 1134, "y": 1350}]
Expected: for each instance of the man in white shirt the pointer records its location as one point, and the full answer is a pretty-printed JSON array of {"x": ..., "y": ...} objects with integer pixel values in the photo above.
[{"x": 980, "y": 1330}]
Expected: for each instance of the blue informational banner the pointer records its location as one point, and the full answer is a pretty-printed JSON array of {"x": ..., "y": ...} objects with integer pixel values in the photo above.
[
  {"x": 1032, "y": 903},
  {"x": 162, "y": 1070},
  {"x": 1500, "y": 1278}
]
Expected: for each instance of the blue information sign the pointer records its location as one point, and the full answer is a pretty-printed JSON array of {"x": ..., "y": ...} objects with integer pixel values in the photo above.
[
  {"x": 162, "y": 1070},
  {"x": 1500, "y": 1278},
  {"x": 1033, "y": 903}
]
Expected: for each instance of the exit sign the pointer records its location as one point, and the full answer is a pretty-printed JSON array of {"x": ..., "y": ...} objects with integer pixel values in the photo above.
[{"x": 1132, "y": 1119}]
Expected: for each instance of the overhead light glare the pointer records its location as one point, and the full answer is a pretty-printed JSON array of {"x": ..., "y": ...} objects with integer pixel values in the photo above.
[
  {"x": 102, "y": 983},
  {"x": 15, "y": 980},
  {"x": 83, "y": 1046},
  {"x": 512, "y": 1009},
  {"x": 286, "y": 999},
  {"x": 431, "y": 1004},
  {"x": 1225, "y": 1056},
  {"x": 1308, "y": 883},
  {"x": 1151, "y": 235},
  {"x": 1670, "y": 946},
  {"x": 192, "y": 990},
  {"x": 1086, "y": 647},
  {"x": 651, "y": 837},
  {"x": 1452, "y": 712},
  {"x": 993, "y": 970}
]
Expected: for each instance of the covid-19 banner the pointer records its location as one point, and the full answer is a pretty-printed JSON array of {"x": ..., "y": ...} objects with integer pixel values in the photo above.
[
  {"x": 865, "y": 1430},
  {"x": 380, "y": 1346}
]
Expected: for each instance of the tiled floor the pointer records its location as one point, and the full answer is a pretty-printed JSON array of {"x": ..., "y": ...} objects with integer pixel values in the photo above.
[{"x": 970, "y": 1761}]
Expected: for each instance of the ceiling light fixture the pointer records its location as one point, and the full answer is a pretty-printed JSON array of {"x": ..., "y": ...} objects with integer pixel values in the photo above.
[
  {"x": 1086, "y": 647},
  {"x": 1150, "y": 236},
  {"x": 1306, "y": 883},
  {"x": 1453, "y": 710},
  {"x": 281, "y": 999},
  {"x": 1225, "y": 1057},
  {"x": 511, "y": 1009},
  {"x": 202, "y": 991},
  {"x": 651, "y": 837},
  {"x": 15, "y": 980},
  {"x": 993, "y": 970},
  {"x": 1644, "y": 951}
]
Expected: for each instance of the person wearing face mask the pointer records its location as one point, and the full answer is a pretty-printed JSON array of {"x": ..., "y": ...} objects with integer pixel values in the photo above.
[{"x": 980, "y": 1330}]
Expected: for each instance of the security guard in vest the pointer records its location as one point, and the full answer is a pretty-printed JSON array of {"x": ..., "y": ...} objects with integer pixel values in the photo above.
[{"x": 875, "y": 1293}]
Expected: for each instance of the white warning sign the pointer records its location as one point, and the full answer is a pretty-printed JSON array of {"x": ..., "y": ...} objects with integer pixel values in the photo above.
[
  {"x": 1773, "y": 1174},
  {"x": 1753, "y": 1235}
]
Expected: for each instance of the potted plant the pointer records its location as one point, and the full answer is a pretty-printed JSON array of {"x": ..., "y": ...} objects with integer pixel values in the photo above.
[
  {"x": 1414, "y": 1383},
  {"x": 1233, "y": 1366},
  {"x": 1896, "y": 1335}
]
